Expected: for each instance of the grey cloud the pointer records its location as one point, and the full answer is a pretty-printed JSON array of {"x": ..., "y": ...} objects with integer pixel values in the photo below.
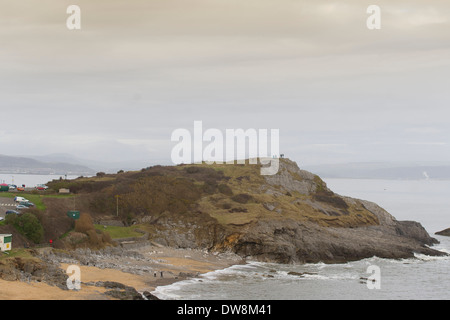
[{"x": 138, "y": 70}]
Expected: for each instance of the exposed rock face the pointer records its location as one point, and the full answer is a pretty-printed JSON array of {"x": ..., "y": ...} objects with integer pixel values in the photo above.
[
  {"x": 445, "y": 232},
  {"x": 290, "y": 178},
  {"x": 287, "y": 240},
  {"x": 414, "y": 230},
  {"x": 292, "y": 241},
  {"x": 384, "y": 217},
  {"x": 120, "y": 291},
  {"x": 304, "y": 222},
  {"x": 13, "y": 269},
  {"x": 200, "y": 232}
]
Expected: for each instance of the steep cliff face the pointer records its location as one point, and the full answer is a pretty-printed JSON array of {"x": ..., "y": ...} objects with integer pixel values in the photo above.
[
  {"x": 328, "y": 227},
  {"x": 289, "y": 241}
]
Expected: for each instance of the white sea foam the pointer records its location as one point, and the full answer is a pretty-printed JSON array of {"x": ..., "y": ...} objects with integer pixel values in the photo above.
[{"x": 424, "y": 257}]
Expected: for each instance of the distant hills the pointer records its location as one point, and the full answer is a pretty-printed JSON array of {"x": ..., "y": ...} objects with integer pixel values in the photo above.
[
  {"x": 26, "y": 165},
  {"x": 384, "y": 170},
  {"x": 109, "y": 166},
  {"x": 63, "y": 163}
]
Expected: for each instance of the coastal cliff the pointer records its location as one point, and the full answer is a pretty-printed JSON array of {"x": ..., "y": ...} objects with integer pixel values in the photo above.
[
  {"x": 293, "y": 217},
  {"x": 288, "y": 217}
]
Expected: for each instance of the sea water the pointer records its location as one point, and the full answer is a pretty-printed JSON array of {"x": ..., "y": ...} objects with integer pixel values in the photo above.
[
  {"x": 30, "y": 180},
  {"x": 422, "y": 277}
]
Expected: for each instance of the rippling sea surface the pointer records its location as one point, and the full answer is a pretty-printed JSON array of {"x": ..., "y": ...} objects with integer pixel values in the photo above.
[
  {"x": 422, "y": 277},
  {"x": 30, "y": 180}
]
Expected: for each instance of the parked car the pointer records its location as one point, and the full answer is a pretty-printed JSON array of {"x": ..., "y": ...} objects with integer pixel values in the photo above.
[
  {"x": 20, "y": 189},
  {"x": 41, "y": 187},
  {"x": 1, "y": 218},
  {"x": 20, "y": 199},
  {"x": 12, "y": 187},
  {"x": 12, "y": 212},
  {"x": 26, "y": 204},
  {"x": 21, "y": 206}
]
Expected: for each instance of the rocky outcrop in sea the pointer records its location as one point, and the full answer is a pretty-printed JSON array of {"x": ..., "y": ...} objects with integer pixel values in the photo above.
[{"x": 445, "y": 232}]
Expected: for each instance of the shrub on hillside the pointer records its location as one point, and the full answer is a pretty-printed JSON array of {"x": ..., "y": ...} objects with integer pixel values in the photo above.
[
  {"x": 79, "y": 186},
  {"x": 28, "y": 225},
  {"x": 84, "y": 223},
  {"x": 200, "y": 173},
  {"x": 226, "y": 206},
  {"x": 242, "y": 198},
  {"x": 157, "y": 194},
  {"x": 106, "y": 237},
  {"x": 225, "y": 189},
  {"x": 209, "y": 187},
  {"x": 95, "y": 238}
]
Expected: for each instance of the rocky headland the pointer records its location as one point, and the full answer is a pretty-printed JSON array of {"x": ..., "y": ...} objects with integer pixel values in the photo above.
[
  {"x": 293, "y": 217},
  {"x": 288, "y": 217},
  {"x": 216, "y": 211}
]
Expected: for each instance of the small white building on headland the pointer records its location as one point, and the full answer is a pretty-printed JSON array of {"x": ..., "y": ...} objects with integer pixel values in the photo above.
[
  {"x": 5, "y": 242},
  {"x": 64, "y": 191}
]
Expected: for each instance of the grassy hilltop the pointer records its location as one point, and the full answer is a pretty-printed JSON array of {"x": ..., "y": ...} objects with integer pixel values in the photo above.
[{"x": 231, "y": 194}]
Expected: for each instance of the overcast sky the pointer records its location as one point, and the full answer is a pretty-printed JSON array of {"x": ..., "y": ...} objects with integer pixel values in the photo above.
[{"x": 139, "y": 69}]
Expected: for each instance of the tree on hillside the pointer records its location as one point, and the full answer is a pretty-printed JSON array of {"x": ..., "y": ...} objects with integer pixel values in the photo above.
[{"x": 28, "y": 225}]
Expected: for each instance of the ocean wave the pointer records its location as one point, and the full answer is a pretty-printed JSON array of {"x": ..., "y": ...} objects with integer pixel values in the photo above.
[
  {"x": 424, "y": 257},
  {"x": 238, "y": 271},
  {"x": 255, "y": 274},
  {"x": 169, "y": 292}
]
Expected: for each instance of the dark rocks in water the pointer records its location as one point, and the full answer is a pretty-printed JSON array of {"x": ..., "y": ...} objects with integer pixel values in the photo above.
[
  {"x": 150, "y": 296},
  {"x": 293, "y": 273},
  {"x": 300, "y": 274},
  {"x": 414, "y": 230},
  {"x": 445, "y": 232}
]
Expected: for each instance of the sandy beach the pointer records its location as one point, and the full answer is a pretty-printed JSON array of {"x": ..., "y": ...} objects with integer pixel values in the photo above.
[{"x": 150, "y": 267}]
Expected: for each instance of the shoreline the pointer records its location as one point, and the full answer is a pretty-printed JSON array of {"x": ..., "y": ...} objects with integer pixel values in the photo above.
[
  {"x": 143, "y": 268},
  {"x": 138, "y": 267}
]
